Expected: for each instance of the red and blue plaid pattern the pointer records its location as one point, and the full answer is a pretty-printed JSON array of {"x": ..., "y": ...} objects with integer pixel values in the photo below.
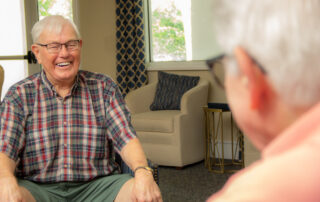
[{"x": 64, "y": 139}]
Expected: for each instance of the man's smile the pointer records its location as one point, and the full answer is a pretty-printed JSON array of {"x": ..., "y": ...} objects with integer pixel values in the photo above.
[{"x": 63, "y": 64}]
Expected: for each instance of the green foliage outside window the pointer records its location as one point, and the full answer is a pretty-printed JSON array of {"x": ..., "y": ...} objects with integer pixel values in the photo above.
[
  {"x": 168, "y": 40},
  {"x": 43, "y": 7},
  {"x": 55, "y": 7}
]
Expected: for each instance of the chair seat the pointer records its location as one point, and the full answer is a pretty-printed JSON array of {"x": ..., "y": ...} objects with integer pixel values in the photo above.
[
  {"x": 155, "y": 121},
  {"x": 170, "y": 137}
]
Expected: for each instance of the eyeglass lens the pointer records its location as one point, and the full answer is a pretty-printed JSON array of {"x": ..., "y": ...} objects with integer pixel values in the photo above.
[{"x": 56, "y": 47}]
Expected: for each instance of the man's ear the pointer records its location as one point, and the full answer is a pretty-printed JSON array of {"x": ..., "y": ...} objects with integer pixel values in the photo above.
[
  {"x": 36, "y": 51},
  {"x": 80, "y": 44},
  {"x": 257, "y": 84}
]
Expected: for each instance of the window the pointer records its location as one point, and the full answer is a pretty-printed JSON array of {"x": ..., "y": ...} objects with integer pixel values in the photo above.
[
  {"x": 179, "y": 30},
  {"x": 13, "y": 42},
  {"x": 55, "y": 7},
  {"x": 17, "y": 18}
]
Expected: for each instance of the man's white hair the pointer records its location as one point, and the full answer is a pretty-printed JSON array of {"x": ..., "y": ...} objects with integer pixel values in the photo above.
[
  {"x": 283, "y": 36},
  {"x": 53, "y": 23}
]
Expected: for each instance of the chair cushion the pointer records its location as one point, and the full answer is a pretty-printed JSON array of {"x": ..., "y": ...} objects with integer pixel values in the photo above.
[
  {"x": 170, "y": 89},
  {"x": 155, "y": 121}
]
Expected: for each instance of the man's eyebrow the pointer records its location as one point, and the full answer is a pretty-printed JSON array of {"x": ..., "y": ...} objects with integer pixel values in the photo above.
[{"x": 50, "y": 42}]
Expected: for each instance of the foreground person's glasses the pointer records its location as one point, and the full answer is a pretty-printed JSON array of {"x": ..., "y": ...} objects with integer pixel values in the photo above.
[
  {"x": 56, "y": 47},
  {"x": 211, "y": 64},
  {"x": 218, "y": 59}
]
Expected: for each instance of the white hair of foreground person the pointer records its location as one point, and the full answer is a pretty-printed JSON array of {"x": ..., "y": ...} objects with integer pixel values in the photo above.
[
  {"x": 283, "y": 36},
  {"x": 53, "y": 23}
]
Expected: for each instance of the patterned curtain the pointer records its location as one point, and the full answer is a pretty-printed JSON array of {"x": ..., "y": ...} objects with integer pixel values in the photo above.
[{"x": 131, "y": 71}]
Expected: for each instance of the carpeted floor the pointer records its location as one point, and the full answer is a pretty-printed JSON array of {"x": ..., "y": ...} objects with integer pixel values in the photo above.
[{"x": 193, "y": 183}]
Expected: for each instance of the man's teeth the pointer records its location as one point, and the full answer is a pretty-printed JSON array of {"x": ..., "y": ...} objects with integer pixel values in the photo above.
[{"x": 63, "y": 64}]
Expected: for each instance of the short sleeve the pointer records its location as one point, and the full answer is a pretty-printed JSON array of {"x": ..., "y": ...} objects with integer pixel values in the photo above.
[
  {"x": 119, "y": 128},
  {"x": 11, "y": 128}
]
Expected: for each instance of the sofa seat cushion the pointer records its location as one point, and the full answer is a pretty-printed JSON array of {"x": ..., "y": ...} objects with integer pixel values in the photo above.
[{"x": 155, "y": 121}]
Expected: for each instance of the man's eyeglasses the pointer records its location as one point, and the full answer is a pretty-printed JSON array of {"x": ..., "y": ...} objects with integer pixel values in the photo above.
[
  {"x": 211, "y": 63},
  {"x": 56, "y": 47},
  {"x": 218, "y": 59}
]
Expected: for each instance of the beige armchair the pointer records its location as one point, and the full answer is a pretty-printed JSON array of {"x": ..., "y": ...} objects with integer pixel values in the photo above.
[{"x": 170, "y": 137}]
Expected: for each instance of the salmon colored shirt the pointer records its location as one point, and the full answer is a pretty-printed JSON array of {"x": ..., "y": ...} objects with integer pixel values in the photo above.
[{"x": 289, "y": 168}]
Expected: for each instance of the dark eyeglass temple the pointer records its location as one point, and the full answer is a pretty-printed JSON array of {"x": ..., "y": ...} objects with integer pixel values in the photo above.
[{"x": 211, "y": 61}]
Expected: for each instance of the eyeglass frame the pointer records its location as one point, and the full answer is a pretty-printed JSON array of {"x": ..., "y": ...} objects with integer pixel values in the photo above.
[
  {"x": 60, "y": 45},
  {"x": 212, "y": 61}
]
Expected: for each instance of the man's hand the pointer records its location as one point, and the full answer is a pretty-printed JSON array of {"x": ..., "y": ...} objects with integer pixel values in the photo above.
[
  {"x": 145, "y": 188},
  {"x": 10, "y": 190}
]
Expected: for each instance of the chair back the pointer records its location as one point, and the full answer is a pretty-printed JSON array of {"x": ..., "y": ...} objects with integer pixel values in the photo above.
[{"x": 1, "y": 78}]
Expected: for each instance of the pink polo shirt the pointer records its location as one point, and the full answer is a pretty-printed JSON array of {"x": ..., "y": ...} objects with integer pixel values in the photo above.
[{"x": 289, "y": 168}]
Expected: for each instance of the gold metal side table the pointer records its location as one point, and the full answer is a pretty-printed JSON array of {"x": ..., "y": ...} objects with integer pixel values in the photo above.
[{"x": 214, "y": 141}]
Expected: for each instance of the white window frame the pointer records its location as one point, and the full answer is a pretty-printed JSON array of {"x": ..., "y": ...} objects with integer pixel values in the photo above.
[
  {"x": 76, "y": 13},
  {"x": 170, "y": 65}
]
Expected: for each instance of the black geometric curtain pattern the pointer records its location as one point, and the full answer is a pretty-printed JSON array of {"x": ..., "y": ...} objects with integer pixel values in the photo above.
[{"x": 131, "y": 70}]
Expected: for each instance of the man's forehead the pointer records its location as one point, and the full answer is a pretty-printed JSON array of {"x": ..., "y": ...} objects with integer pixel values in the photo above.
[{"x": 58, "y": 34}]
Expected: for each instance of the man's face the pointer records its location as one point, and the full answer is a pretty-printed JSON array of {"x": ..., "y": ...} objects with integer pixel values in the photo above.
[{"x": 61, "y": 67}]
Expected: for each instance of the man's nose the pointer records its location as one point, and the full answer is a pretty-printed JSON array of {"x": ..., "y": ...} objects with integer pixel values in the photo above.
[{"x": 64, "y": 51}]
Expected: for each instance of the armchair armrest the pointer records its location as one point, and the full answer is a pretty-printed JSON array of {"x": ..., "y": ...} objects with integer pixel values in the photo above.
[
  {"x": 140, "y": 99},
  {"x": 195, "y": 98},
  {"x": 1, "y": 78}
]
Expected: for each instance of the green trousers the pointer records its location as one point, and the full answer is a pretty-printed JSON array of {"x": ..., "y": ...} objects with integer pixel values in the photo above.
[{"x": 102, "y": 189}]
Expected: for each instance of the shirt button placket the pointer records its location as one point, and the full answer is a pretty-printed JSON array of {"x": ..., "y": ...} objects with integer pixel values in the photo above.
[{"x": 65, "y": 134}]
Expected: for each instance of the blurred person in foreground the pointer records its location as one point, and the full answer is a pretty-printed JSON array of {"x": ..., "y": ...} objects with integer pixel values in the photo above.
[
  {"x": 272, "y": 83},
  {"x": 56, "y": 129}
]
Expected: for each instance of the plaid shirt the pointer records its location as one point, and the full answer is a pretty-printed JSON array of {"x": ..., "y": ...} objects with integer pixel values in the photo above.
[{"x": 64, "y": 139}]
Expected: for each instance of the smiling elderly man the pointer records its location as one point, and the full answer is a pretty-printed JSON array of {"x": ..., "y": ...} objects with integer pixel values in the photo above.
[
  {"x": 273, "y": 86},
  {"x": 57, "y": 125}
]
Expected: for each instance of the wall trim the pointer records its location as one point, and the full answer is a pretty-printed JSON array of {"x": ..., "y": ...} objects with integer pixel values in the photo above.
[{"x": 183, "y": 66}]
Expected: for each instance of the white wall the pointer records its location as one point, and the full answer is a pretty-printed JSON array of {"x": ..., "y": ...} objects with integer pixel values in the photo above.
[{"x": 204, "y": 44}]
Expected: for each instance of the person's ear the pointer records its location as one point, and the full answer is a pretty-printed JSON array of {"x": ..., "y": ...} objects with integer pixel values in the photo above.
[
  {"x": 36, "y": 51},
  {"x": 255, "y": 79},
  {"x": 80, "y": 44}
]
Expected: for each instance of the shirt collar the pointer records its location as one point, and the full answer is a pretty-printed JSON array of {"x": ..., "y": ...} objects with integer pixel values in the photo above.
[{"x": 52, "y": 89}]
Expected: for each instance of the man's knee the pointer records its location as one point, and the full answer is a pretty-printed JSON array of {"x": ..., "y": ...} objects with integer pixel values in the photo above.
[
  {"x": 125, "y": 191},
  {"x": 26, "y": 195}
]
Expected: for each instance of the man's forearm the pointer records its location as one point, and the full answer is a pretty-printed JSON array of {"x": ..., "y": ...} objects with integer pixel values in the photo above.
[
  {"x": 7, "y": 166},
  {"x": 133, "y": 154}
]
